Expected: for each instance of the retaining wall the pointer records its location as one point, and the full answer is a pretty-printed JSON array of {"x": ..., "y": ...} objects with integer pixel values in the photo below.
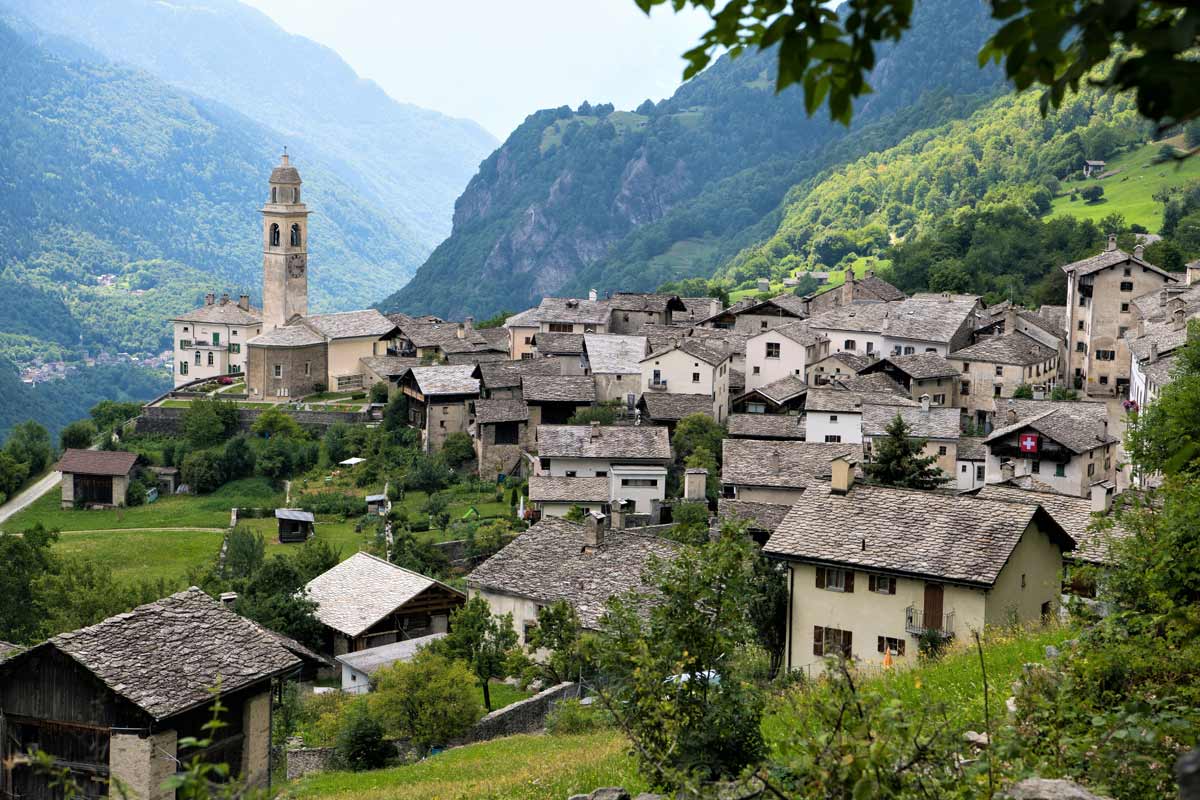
[
  {"x": 526, "y": 716},
  {"x": 169, "y": 421}
]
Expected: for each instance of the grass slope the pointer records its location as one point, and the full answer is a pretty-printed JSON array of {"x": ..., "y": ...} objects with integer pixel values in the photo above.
[
  {"x": 1130, "y": 192},
  {"x": 143, "y": 554}
]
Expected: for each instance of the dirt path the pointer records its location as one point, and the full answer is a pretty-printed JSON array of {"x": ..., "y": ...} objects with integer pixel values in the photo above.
[{"x": 31, "y": 492}]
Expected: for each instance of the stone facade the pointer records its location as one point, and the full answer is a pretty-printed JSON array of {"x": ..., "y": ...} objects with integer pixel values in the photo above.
[
  {"x": 140, "y": 764},
  {"x": 285, "y": 249},
  {"x": 256, "y": 747},
  {"x": 286, "y": 372},
  {"x": 502, "y": 459},
  {"x": 526, "y": 716},
  {"x": 120, "y": 487},
  {"x": 169, "y": 421}
]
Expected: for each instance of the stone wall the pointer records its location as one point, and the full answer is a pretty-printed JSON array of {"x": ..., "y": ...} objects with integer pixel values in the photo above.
[
  {"x": 527, "y": 716},
  {"x": 303, "y": 761},
  {"x": 302, "y": 370},
  {"x": 169, "y": 421},
  {"x": 140, "y": 764}
]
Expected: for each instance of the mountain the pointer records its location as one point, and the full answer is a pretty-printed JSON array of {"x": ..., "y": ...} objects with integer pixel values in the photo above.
[
  {"x": 607, "y": 199},
  {"x": 408, "y": 160}
]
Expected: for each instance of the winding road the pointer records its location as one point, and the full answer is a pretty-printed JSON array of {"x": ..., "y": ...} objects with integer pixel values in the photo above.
[{"x": 30, "y": 493}]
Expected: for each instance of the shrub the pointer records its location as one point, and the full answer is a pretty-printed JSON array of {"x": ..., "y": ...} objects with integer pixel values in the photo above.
[
  {"x": 207, "y": 422},
  {"x": 244, "y": 552},
  {"x": 1092, "y": 193},
  {"x": 276, "y": 422},
  {"x": 201, "y": 470},
  {"x": 79, "y": 434},
  {"x": 29, "y": 443},
  {"x": 430, "y": 700},
  {"x": 237, "y": 460},
  {"x": 360, "y": 744},
  {"x": 572, "y": 716},
  {"x": 135, "y": 495},
  {"x": 379, "y": 392},
  {"x": 334, "y": 503},
  {"x": 457, "y": 449}
]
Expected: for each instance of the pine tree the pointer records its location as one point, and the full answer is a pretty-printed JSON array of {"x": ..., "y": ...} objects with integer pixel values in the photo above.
[{"x": 897, "y": 460}]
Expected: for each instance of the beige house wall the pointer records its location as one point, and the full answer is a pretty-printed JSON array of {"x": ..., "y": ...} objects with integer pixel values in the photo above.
[
  {"x": 443, "y": 419},
  {"x": 223, "y": 359},
  {"x": 757, "y": 323},
  {"x": 519, "y": 342},
  {"x": 562, "y": 509},
  {"x": 1075, "y": 481},
  {"x": 140, "y": 765},
  {"x": 983, "y": 381},
  {"x": 1032, "y": 577},
  {"x": 523, "y": 610},
  {"x": 767, "y": 494},
  {"x": 677, "y": 368},
  {"x": 792, "y": 360},
  {"x": 611, "y": 387},
  {"x": 120, "y": 487},
  {"x": 256, "y": 746},
  {"x": 934, "y": 387},
  {"x": 344, "y": 355}
]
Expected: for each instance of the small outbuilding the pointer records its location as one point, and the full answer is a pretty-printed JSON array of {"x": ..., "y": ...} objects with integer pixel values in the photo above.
[
  {"x": 295, "y": 525},
  {"x": 168, "y": 479},
  {"x": 92, "y": 478},
  {"x": 376, "y": 503},
  {"x": 357, "y": 668}
]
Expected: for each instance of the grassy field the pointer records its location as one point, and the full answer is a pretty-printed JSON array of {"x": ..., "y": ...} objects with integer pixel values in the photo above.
[
  {"x": 859, "y": 265},
  {"x": 340, "y": 535},
  {"x": 528, "y": 767},
  {"x": 177, "y": 511},
  {"x": 1130, "y": 192},
  {"x": 144, "y": 554},
  {"x": 681, "y": 257}
]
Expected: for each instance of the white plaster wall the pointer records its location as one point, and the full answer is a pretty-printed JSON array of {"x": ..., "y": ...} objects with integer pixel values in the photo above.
[
  {"x": 791, "y": 360},
  {"x": 819, "y": 424}
]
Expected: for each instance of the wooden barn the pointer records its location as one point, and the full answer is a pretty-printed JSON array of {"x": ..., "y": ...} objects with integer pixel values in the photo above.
[
  {"x": 295, "y": 525},
  {"x": 110, "y": 702}
]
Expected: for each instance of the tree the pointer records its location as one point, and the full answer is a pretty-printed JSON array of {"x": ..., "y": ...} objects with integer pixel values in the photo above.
[
  {"x": 29, "y": 443},
  {"x": 13, "y": 474},
  {"x": 108, "y": 414},
  {"x": 897, "y": 460},
  {"x": 418, "y": 555},
  {"x": 201, "y": 470},
  {"x": 494, "y": 321},
  {"x": 244, "y": 552},
  {"x": 1023, "y": 392},
  {"x": 79, "y": 435},
  {"x": 769, "y": 608},
  {"x": 379, "y": 392},
  {"x": 559, "y": 637},
  {"x": 806, "y": 285},
  {"x": 208, "y": 421},
  {"x": 458, "y": 449},
  {"x": 1055, "y": 44},
  {"x": 481, "y": 640},
  {"x": 395, "y": 413},
  {"x": 360, "y": 743},
  {"x": 81, "y": 592},
  {"x": 237, "y": 459},
  {"x": 276, "y": 422},
  {"x": 26, "y": 559},
  {"x": 690, "y": 523},
  {"x": 696, "y": 431},
  {"x": 430, "y": 700},
  {"x": 604, "y": 414},
  {"x": 276, "y": 459},
  {"x": 1092, "y": 193}
]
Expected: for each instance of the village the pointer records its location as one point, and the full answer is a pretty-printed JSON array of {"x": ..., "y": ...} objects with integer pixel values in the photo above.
[{"x": 571, "y": 442}]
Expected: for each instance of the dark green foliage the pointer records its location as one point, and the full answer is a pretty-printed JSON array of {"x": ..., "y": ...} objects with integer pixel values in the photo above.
[
  {"x": 1023, "y": 392},
  {"x": 276, "y": 422},
  {"x": 430, "y": 700},
  {"x": 208, "y": 421},
  {"x": 26, "y": 559},
  {"x": 244, "y": 553},
  {"x": 696, "y": 432},
  {"x": 481, "y": 640},
  {"x": 494, "y": 321},
  {"x": 13, "y": 474},
  {"x": 360, "y": 743},
  {"x": 769, "y": 609},
  {"x": 29, "y": 444},
  {"x": 78, "y": 435},
  {"x": 237, "y": 459},
  {"x": 559, "y": 637},
  {"x": 108, "y": 414},
  {"x": 690, "y": 523},
  {"x": 338, "y": 503},
  {"x": 202, "y": 471},
  {"x": 428, "y": 473},
  {"x": 896, "y": 460},
  {"x": 604, "y": 414},
  {"x": 80, "y": 592},
  {"x": 379, "y": 392},
  {"x": 418, "y": 555},
  {"x": 1092, "y": 193},
  {"x": 1061, "y": 393},
  {"x": 458, "y": 449}
]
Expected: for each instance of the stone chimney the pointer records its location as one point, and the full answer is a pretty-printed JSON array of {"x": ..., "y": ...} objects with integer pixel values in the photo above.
[
  {"x": 592, "y": 295},
  {"x": 469, "y": 323},
  {"x": 842, "y": 474},
  {"x": 925, "y": 404},
  {"x": 460, "y": 330},
  {"x": 620, "y": 514},
  {"x": 225, "y": 298},
  {"x": 228, "y": 598},
  {"x": 1138, "y": 251},
  {"x": 1178, "y": 319},
  {"x": 1007, "y": 470},
  {"x": 209, "y": 299},
  {"x": 695, "y": 482},
  {"x": 1193, "y": 273},
  {"x": 1153, "y": 352},
  {"x": 595, "y": 430},
  {"x": 244, "y": 302},
  {"x": 593, "y": 532},
  {"x": 1112, "y": 242},
  {"x": 1101, "y": 493},
  {"x": 1010, "y": 416}
]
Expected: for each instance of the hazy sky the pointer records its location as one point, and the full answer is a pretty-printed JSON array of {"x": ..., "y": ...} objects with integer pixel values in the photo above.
[{"x": 497, "y": 61}]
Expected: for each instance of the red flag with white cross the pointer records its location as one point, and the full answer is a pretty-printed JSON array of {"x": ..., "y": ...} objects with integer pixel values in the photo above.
[{"x": 1029, "y": 442}]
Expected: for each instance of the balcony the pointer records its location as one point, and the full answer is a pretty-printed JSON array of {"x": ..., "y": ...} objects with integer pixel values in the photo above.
[
  {"x": 917, "y": 625},
  {"x": 659, "y": 385}
]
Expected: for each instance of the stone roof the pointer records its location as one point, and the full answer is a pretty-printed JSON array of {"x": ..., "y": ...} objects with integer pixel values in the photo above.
[
  {"x": 97, "y": 462},
  {"x": 694, "y": 348},
  {"x": 489, "y": 412},
  {"x": 222, "y": 312},
  {"x": 926, "y": 318},
  {"x": 566, "y": 343},
  {"x": 1156, "y": 306},
  {"x": 558, "y": 389},
  {"x": 166, "y": 656},
  {"x": 669, "y": 407},
  {"x": 375, "y": 658},
  {"x": 766, "y": 426},
  {"x": 295, "y": 334},
  {"x": 362, "y": 590},
  {"x": 555, "y": 489},
  {"x": 523, "y": 319},
  {"x": 971, "y": 448},
  {"x": 936, "y": 423},
  {"x": 1162, "y": 371},
  {"x": 547, "y": 563},
  {"x": 443, "y": 380},
  {"x": 698, "y": 308},
  {"x": 611, "y": 354},
  {"x": 798, "y": 331},
  {"x": 871, "y": 383},
  {"x": 854, "y": 361},
  {"x": 790, "y": 302},
  {"x": 1078, "y": 426},
  {"x": 784, "y": 464},
  {"x": 786, "y": 388},
  {"x": 351, "y": 324},
  {"x": 878, "y": 287},
  {"x": 507, "y": 374},
  {"x": 923, "y": 366},
  {"x": 725, "y": 340},
  {"x": 652, "y": 303},
  {"x": 1162, "y": 337},
  {"x": 762, "y": 516},
  {"x": 822, "y": 398},
  {"x": 295, "y": 515},
  {"x": 564, "y": 309},
  {"x": 285, "y": 173},
  {"x": 451, "y": 337},
  {"x": 389, "y": 366},
  {"x": 475, "y": 357},
  {"x": 616, "y": 442},
  {"x": 1074, "y": 514},
  {"x": 949, "y": 537},
  {"x": 1110, "y": 258},
  {"x": 1010, "y": 348},
  {"x": 1055, "y": 317}
]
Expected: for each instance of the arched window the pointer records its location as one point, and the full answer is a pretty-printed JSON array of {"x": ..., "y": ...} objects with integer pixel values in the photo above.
[
  {"x": 197, "y": 358},
  {"x": 295, "y": 195},
  {"x": 295, "y": 234},
  {"x": 210, "y": 358},
  {"x": 274, "y": 195},
  {"x": 274, "y": 235}
]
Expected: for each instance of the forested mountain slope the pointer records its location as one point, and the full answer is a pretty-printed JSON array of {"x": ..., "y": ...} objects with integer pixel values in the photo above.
[
  {"x": 409, "y": 161},
  {"x": 616, "y": 199}
]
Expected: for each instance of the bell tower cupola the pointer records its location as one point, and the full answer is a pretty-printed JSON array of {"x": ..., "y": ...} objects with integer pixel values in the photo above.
[{"x": 285, "y": 248}]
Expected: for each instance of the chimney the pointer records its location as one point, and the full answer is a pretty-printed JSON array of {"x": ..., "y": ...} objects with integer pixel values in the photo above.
[
  {"x": 695, "y": 482},
  {"x": 593, "y": 532},
  {"x": 1007, "y": 470},
  {"x": 925, "y": 404},
  {"x": 620, "y": 513},
  {"x": 1193, "y": 273},
  {"x": 244, "y": 302},
  {"x": 1101, "y": 497},
  {"x": 1112, "y": 242},
  {"x": 595, "y": 429},
  {"x": 1178, "y": 319},
  {"x": 460, "y": 330},
  {"x": 228, "y": 599},
  {"x": 469, "y": 323},
  {"x": 209, "y": 299},
  {"x": 284, "y": 159},
  {"x": 946, "y": 296},
  {"x": 1010, "y": 416},
  {"x": 592, "y": 295},
  {"x": 1138, "y": 251},
  {"x": 842, "y": 474},
  {"x": 225, "y": 298}
]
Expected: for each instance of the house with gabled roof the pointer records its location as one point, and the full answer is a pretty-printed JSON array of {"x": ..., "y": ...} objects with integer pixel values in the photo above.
[
  {"x": 634, "y": 459},
  {"x": 614, "y": 362},
  {"x": 919, "y": 374},
  {"x": 834, "y": 415},
  {"x": 441, "y": 401},
  {"x": 992, "y": 369},
  {"x": 113, "y": 701},
  {"x": 869, "y": 288},
  {"x": 873, "y": 570},
  {"x": 209, "y": 341},
  {"x": 556, "y": 496},
  {"x": 1161, "y": 330},
  {"x": 553, "y": 400},
  {"x": 689, "y": 366},
  {"x": 567, "y": 346},
  {"x": 825, "y": 369},
  {"x": 766, "y": 426},
  {"x": 92, "y": 478},
  {"x": 755, "y": 316},
  {"x": 782, "y": 351},
  {"x": 668, "y": 408},
  {"x": 503, "y": 378},
  {"x": 365, "y": 602},
  {"x": 937, "y": 426},
  {"x": 926, "y": 323},
  {"x": 632, "y": 310},
  {"x": 783, "y": 396},
  {"x": 502, "y": 436},
  {"x": 776, "y": 471}
]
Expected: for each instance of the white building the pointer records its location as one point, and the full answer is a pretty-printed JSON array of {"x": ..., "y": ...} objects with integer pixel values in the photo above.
[
  {"x": 925, "y": 323},
  {"x": 211, "y": 341},
  {"x": 633, "y": 459},
  {"x": 834, "y": 416},
  {"x": 782, "y": 352},
  {"x": 687, "y": 366}
]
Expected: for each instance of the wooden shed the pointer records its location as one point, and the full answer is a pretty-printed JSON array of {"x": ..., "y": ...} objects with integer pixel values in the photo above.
[
  {"x": 95, "y": 477},
  {"x": 295, "y": 525}
]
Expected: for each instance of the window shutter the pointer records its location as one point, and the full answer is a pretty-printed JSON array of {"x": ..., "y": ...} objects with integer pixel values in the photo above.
[
  {"x": 847, "y": 643},
  {"x": 882, "y": 643},
  {"x": 818, "y": 640},
  {"x": 849, "y": 581},
  {"x": 899, "y": 647},
  {"x": 872, "y": 586},
  {"x": 820, "y": 577}
]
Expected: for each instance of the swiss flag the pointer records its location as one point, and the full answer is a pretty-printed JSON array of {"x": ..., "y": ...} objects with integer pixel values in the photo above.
[{"x": 1029, "y": 442}]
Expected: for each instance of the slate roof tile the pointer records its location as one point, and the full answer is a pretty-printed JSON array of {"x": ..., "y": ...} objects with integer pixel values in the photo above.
[
  {"x": 618, "y": 442},
  {"x": 784, "y": 464}
]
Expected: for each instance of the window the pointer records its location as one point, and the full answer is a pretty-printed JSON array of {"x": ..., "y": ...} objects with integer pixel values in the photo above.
[
  {"x": 1106, "y": 355},
  {"x": 295, "y": 238},
  {"x": 601, "y": 473},
  {"x": 559, "y": 327},
  {"x": 833, "y": 417},
  {"x": 643, "y": 483},
  {"x": 441, "y": 423},
  {"x": 939, "y": 399},
  {"x": 197, "y": 358},
  {"x": 185, "y": 343},
  {"x": 1080, "y": 347},
  {"x": 216, "y": 337},
  {"x": 849, "y": 344},
  {"x": 757, "y": 370},
  {"x": 999, "y": 372},
  {"x": 756, "y": 408},
  {"x": 626, "y": 317},
  {"x": 274, "y": 194},
  {"x": 965, "y": 388},
  {"x": 763, "y": 324},
  {"x": 889, "y": 645},
  {"x": 233, "y": 332},
  {"x": 1121, "y": 331},
  {"x": 1128, "y": 271},
  {"x": 507, "y": 433},
  {"x": 1126, "y": 286},
  {"x": 1060, "y": 470},
  {"x": 908, "y": 351},
  {"x": 210, "y": 358},
  {"x": 528, "y": 340},
  {"x": 1035, "y": 467},
  {"x": 1079, "y": 325},
  {"x": 1124, "y": 308},
  {"x": 979, "y": 473},
  {"x": 966, "y": 366},
  {"x": 870, "y": 347},
  {"x": 278, "y": 370},
  {"x": 881, "y": 584},
  {"x": 571, "y": 473},
  {"x": 296, "y": 195},
  {"x": 1104, "y": 380},
  {"x": 307, "y": 368},
  {"x": 963, "y": 469},
  {"x": 832, "y": 642},
  {"x": 772, "y": 349},
  {"x": 185, "y": 328},
  {"x": 544, "y": 464},
  {"x": 274, "y": 235},
  {"x": 833, "y": 438},
  {"x": 695, "y": 377},
  {"x": 1091, "y": 470},
  {"x": 996, "y": 390},
  {"x": 183, "y": 368},
  {"x": 835, "y": 580},
  {"x": 529, "y": 627},
  {"x": 941, "y": 449}
]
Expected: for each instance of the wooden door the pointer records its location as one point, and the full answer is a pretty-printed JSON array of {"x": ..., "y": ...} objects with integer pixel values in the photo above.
[{"x": 933, "y": 606}]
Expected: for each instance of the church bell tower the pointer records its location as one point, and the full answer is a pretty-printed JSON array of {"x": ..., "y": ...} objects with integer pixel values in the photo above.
[{"x": 285, "y": 248}]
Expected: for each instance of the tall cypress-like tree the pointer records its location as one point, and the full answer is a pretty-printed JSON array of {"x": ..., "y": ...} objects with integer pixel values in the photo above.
[{"x": 897, "y": 460}]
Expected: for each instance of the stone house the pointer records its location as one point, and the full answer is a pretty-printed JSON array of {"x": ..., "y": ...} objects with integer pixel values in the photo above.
[
  {"x": 938, "y": 426},
  {"x": 921, "y": 374},
  {"x": 1100, "y": 294},
  {"x": 869, "y": 288},
  {"x": 992, "y": 369},
  {"x": 210, "y": 341},
  {"x": 872, "y": 569},
  {"x": 696, "y": 309},
  {"x": 687, "y": 366},
  {"x": 925, "y": 323},
  {"x": 556, "y": 315},
  {"x": 503, "y": 379},
  {"x": 766, "y": 426},
  {"x": 1161, "y": 330},
  {"x": 349, "y": 337},
  {"x": 95, "y": 477},
  {"x": 448, "y": 342},
  {"x": 554, "y": 400},
  {"x": 631, "y": 310},
  {"x": 1063, "y": 445},
  {"x": 614, "y": 362},
  {"x": 441, "y": 401},
  {"x": 1046, "y": 326},
  {"x": 782, "y": 352},
  {"x": 783, "y": 396},
  {"x": 365, "y": 602},
  {"x": 386, "y": 369},
  {"x": 834, "y": 415},
  {"x": 555, "y": 496},
  {"x": 634, "y": 459},
  {"x": 358, "y": 667},
  {"x": 970, "y": 470},
  {"x": 824, "y": 370},
  {"x": 776, "y": 472},
  {"x": 667, "y": 408},
  {"x": 755, "y": 316},
  {"x": 1091, "y": 168},
  {"x": 502, "y": 437},
  {"x": 556, "y": 560},
  {"x": 566, "y": 346},
  {"x": 112, "y": 702}
]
